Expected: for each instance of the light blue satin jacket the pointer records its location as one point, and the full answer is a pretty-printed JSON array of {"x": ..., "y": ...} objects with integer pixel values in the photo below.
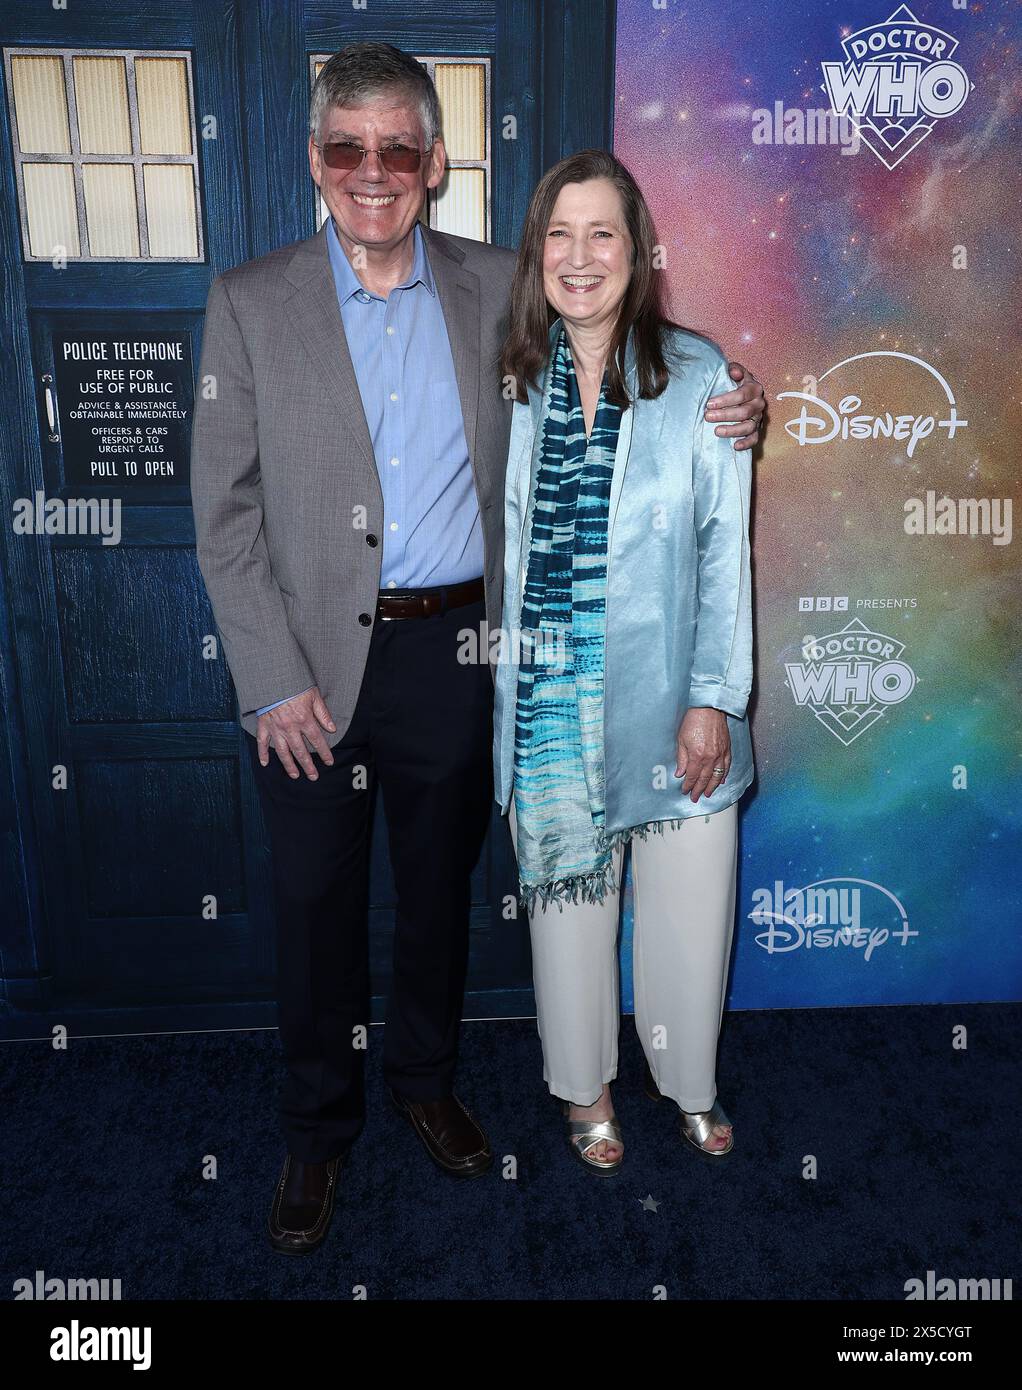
[{"x": 679, "y": 589}]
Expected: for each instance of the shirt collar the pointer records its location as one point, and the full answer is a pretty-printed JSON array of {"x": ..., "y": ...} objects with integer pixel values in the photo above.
[{"x": 347, "y": 281}]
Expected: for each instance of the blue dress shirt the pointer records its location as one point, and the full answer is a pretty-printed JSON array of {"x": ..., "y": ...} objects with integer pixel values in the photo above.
[{"x": 432, "y": 531}]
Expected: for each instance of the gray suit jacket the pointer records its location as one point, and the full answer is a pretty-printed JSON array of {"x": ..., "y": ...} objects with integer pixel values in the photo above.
[{"x": 284, "y": 484}]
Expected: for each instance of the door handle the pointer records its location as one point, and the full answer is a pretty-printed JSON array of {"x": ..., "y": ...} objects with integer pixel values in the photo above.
[{"x": 51, "y": 412}]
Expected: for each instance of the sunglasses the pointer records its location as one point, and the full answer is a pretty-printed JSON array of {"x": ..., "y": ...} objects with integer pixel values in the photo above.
[{"x": 345, "y": 154}]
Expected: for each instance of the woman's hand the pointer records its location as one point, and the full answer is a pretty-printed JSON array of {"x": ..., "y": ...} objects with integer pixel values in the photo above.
[{"x": 704, "y": 743}]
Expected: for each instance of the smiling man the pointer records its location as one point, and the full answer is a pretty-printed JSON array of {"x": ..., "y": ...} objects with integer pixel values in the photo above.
[{"x": 347, "y": 479}]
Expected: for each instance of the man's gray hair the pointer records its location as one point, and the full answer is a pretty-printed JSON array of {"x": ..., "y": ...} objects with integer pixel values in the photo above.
[{"x": 363, "y": 71}]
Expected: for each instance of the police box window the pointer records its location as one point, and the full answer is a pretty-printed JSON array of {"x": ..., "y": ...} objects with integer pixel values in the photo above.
[{"x": 105, "y": 154}]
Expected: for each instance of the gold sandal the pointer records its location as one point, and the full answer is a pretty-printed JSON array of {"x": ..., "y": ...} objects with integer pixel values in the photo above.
[
  {"x": 586, "y": 1134},
  {"x": 696, "y": 1125}
]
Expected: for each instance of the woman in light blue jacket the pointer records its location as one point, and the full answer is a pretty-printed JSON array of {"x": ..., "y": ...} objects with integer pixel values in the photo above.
[{"x": 625, "y": 663}]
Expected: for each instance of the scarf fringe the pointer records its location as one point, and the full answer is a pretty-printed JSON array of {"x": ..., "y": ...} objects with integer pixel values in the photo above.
[
  {"x": 594, "y": 887},
  {"x": 578, "y": 888}
]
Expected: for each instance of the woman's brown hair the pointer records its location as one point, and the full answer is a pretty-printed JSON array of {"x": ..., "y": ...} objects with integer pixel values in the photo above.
[{"x": 525, "y": 349}]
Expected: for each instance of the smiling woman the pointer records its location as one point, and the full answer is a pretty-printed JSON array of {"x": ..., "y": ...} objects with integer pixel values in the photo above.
[
  {"x": 587, "y": 265},
  {"x": 626, "y": 530}
]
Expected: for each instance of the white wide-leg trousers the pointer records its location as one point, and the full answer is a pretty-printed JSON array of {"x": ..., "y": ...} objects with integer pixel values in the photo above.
[{"x": 683, "y": 883}]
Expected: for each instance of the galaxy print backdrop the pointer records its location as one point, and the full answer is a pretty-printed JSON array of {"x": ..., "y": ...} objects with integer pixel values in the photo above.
[{"x": 836, "y": 186}]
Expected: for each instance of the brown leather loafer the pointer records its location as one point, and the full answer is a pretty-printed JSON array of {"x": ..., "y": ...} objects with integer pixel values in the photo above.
[
  {"x": 303, "y": 1205},
  {"x": 449, "y": 1134}
]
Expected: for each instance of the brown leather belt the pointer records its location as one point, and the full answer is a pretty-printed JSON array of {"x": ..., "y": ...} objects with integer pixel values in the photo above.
[{"x": 426, "y": 603}]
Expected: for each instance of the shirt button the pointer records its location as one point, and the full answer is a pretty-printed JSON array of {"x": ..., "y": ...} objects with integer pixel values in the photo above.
[
  {"x": 364, "y": 297},
  {"x": 389, "y": 329},
  {"x": 365, "y": 620},
  {"x": 391, "y": 583},
  {"x": 393, "y": 395},
  {"x": 394, "y": 463},
  {"x": 393, "y": 525}
]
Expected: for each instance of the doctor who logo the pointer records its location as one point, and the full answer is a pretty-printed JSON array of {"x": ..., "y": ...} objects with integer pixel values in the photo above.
[
  {"x": 850, "y": 678},
  {"x": 896, "y": 83}
]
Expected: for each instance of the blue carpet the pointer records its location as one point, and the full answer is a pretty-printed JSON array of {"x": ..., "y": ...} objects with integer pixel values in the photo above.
[{"x": 915, "y": 1143}]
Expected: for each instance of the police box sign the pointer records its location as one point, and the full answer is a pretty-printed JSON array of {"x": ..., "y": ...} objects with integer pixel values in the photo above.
[{"x": 124, "y": 405}]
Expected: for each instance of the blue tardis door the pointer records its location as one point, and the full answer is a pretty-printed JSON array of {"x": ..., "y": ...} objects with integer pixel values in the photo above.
[{"x": 146, "y": 148}]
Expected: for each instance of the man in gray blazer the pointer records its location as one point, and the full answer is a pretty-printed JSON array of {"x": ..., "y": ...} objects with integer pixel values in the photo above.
[{"x": 348, "y": 456}]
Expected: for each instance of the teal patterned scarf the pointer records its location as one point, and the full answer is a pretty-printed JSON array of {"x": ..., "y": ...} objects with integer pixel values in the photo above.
[{"x": 563, "y": 853}]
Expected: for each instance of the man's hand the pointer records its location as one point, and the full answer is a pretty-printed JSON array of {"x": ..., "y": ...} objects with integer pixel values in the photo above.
[
  {"x": 745, "y": 406},
  {"x": 704, "y": 743},
  {"x": 289, "y": 725}
]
